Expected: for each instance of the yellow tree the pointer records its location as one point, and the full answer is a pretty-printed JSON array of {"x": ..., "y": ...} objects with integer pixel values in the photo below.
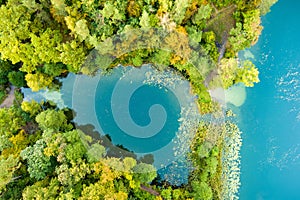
[{"x": 38, "y": 81}]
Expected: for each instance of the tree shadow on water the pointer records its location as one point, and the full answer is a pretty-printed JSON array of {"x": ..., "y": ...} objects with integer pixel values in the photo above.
[{"x": 112, "y": 150}]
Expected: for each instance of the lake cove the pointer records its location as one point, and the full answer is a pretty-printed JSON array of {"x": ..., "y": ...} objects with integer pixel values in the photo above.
[{"x": 142, "y": 110}]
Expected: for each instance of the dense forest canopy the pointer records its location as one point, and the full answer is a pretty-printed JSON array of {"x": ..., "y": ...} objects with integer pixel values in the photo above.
[{"x": 43, "y": 156}]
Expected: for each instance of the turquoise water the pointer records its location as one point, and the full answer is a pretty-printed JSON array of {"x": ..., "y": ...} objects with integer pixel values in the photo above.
[
  {"x": 270, "y": 117},
  {"x": 144, "y": 110},
  {"x": 140, "y": 103}
]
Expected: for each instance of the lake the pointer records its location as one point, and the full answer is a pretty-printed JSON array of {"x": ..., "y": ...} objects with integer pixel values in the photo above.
[
  {"x": 270, "y": 116},
  {"x": 144, "y": 110}
]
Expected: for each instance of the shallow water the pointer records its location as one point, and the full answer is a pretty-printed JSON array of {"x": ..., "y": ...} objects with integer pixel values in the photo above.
[{"x": 270, "y": 116}]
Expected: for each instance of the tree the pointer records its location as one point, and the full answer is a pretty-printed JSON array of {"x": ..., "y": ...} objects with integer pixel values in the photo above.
[
  {"x": 4, "y": 142},
  {"x": 167, "y": 193},
  {"x": 177, "y": 194},
  {"x": 252, "y": 25},
  {"x": 11, "y": 121},
  {"x": 73, "y": 55},
  {"x": 194, "y": 35},
  {"x": 18, "y": 143},
  {"x": 10, "y": 40},
  {"x": 99, "y": 191},
  {"x": 5, "y": 67},
  {"x": 46, "y": 45},
  {"x": 245, "y": 33},
  {"x": 179, "y": 9},
  {"x": 227, "y": 69},
  {"x": 53, "y": 120},
  {"x": 95, "y": 152},
  {"x": 17, "y": 78},
  {"x": 209, "y": 40},
  {"x": 129, "y": 163},
  {"x": 203, "y": 13},
  {"x": 38, "y": 81},
  {"x": 39, "y": 165},
  {"x": 212, "y": 164},
  {"x": 145, "y": 20},
  {"x": 7, "y": 168},
  {"x": 233, "y": 72},
  {"x": 31, "y": 36},
  {"x": 248, "y": 74},
  {"x": 134, "y": 8},
  {"x": 70, "y": 175},
  {"x": 144, "y": 173},
  {"x": 82, "y": 30},
  {"x": 201, "y": 191},
  {"x": 76, "y": 147},
  {"x": 40, "y": 190},
  {"x": 32, "y": 107},
  {"x": 53, "y": 69}
]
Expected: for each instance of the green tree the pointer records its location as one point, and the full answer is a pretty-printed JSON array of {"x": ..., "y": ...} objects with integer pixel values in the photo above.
[
  {"x": 245, "y": 33},
  {"x": 7, "y": 169},
  {"x": 17, "y": 78},
  {"x": 38, "y": 163},
  {"x": 53, "y": 120},
  {"x": 76, "y": 147},
  {"x": 233, "y": 72},
  {"x": 227, "y": 69},
  {"x": 201, "y": 191},
  {"x": 209, "y": 45},
  {"x": 82, "y": 30},
  {"x": 252, "y": 25},
  {"x": 19, "y": 142},
  {"x": 203, "y": 13},
  {"x": 5, "y": 67},
  {"x": 95, "y": 152},
  {"x": 40, "y": 190},
  {"x": 179, "y": 9},
  {"x": 46, "y": 45},
  {"x": 53, "y": 69},
  {"x": 4, "y": 142},
  {"x": 73, "y": 55},
  {"x": 71, "y": 175},
  {"x": 167, "y": 193},
  {"x": 144, "y": 173},
  {"x": 11, "y": 120},
  {"x": 32, "y": 107},
  {"x": 145, "y": 20}
]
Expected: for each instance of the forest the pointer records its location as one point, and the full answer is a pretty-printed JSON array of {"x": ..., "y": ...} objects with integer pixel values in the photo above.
[{"x": 43, "y": 155}]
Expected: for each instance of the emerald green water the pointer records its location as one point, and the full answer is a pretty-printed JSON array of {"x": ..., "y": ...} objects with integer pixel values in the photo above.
[{"x": 270, "y": 116}]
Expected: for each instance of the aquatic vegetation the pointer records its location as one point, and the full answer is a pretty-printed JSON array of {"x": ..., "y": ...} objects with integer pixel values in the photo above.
[{"x": 231, "y": 161}]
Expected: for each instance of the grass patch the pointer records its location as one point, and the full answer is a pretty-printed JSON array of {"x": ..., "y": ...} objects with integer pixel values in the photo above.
[{"x": 222, "y": 22}]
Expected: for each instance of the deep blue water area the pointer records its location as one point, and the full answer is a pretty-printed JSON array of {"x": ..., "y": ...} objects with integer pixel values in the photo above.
[
  {"x": 270, "y": 116},
  {"x": 140, "y": 103}
]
